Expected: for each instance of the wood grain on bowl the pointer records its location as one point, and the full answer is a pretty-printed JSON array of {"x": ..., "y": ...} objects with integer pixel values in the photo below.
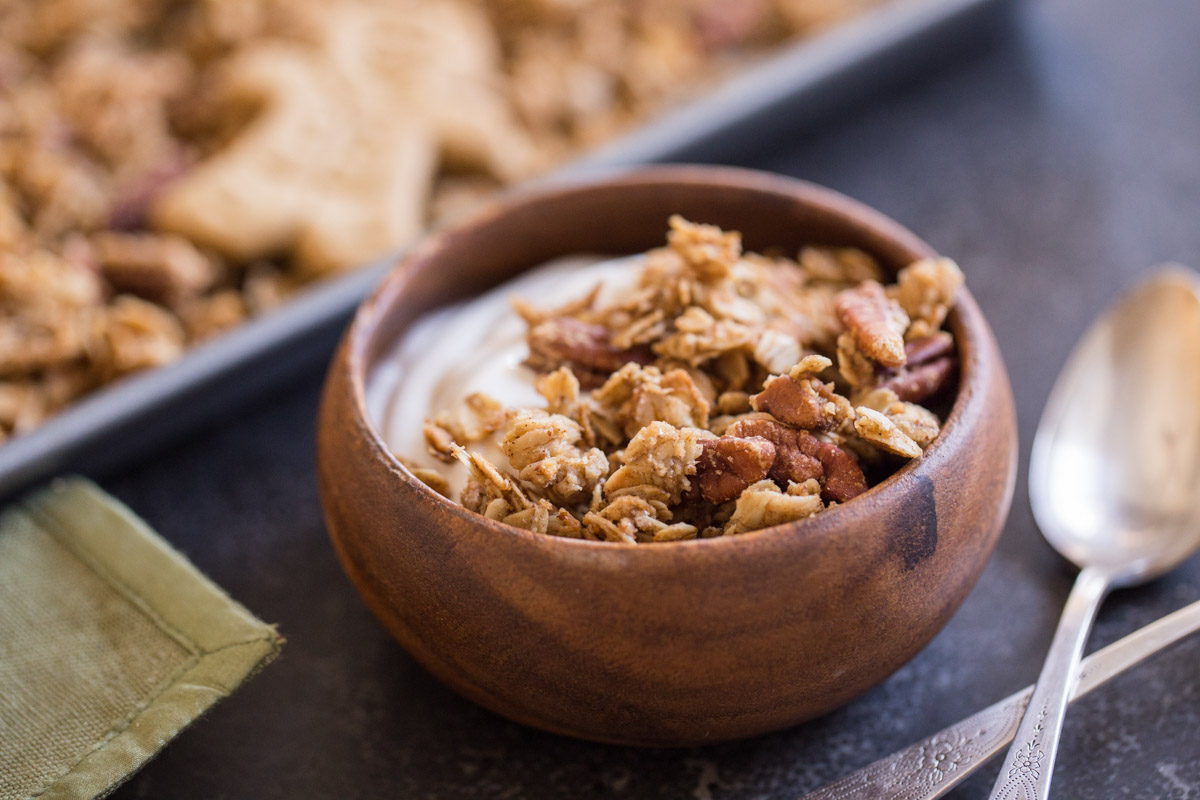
[{"x": 678, "y": 643}]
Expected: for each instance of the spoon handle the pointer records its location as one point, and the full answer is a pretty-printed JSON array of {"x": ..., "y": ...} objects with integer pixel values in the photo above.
[{"x": 1030, "y": 762}]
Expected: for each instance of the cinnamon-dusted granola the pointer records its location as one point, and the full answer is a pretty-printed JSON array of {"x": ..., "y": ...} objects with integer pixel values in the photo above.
[
  {"x": 209, "y": 157},
  {"x": 716, "y": 407}
]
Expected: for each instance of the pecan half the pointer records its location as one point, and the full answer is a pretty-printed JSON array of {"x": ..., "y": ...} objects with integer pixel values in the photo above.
[
  {"x": 584, "y": 346},
  {"x": 730, "y": 464},
  {"x": 876, "y": 322}
]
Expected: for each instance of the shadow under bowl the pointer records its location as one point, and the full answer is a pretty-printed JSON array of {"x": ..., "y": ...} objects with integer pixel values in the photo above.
[{"x": 671, "y": 644}]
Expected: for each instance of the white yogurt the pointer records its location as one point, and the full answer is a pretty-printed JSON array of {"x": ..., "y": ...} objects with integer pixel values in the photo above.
[{"x": 478, "y": 346}]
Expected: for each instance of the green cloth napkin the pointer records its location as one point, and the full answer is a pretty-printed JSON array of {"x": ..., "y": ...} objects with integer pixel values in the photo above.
[{"x": 111, "y": 643}]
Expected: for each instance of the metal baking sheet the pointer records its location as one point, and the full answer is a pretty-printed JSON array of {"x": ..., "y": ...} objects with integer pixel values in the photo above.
[{"x": 795, "y": 86}]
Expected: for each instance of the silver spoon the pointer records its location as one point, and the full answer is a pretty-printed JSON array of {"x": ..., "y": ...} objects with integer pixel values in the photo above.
[{"x": 1113, "y": 480}]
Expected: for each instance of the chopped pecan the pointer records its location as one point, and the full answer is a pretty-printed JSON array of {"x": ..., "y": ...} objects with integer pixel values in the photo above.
[
  {"x": 584, "y": 346},
  {"x": 792, "y": 464},
  {"x": 922, "y": 381},
  {"x": 130, "y": 206},
  {"x": 729, "y": 464},
  {"x": 876, "y": 322},
  {"x": 843, "y": 478},
  {"x": 930, "y": 366}
]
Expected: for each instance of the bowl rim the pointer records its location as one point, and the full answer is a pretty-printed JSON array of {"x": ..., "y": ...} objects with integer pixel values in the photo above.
[{"x": 967, "y": 320}]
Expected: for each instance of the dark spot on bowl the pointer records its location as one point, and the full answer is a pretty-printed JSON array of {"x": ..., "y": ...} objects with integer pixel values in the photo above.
[{"x": 915, "y": 538}]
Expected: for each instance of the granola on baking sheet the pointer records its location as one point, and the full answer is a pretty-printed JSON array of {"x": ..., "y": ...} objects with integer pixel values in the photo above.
[
  {"x": 722, "y": 392},
  {"x": 170, "y": 168}
]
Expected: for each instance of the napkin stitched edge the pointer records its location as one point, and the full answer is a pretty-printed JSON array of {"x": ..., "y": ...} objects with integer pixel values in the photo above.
[{"x": 228, "y": 645}]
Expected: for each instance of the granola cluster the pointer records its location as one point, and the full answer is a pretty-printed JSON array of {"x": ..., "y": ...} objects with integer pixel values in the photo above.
[
  {"x": 725, "y": 392},
  {"x": 169, "y": 168}
]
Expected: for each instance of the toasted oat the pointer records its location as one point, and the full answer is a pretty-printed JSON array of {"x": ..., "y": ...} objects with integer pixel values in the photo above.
[
  {"x": 132, "y": 334},
  {"x": 430, "y": 477},
  {"x": 844, "y": 265},
  {"x": 22, "y": 406},
  {"x": 853, "y": 365},
  {"x": 916, "y": 422},
  {"x": 926, "y": 292},
  {"x": 764, "y": 504},
  {"x": 489, "y": 491},
  {"x": 165, "y": 269},
  {"x": 777, "y": 351},
  {"x": 699, "y": 337},
  {"x": 880, "y": 431},
  {"x": 632, "y": 519},
  {"x": 733, "y": 403},
  {"x": 207, "y": 316},
  {"x": 706, "y": 249},
  {"x": 543, "y": 449},
  {"x": 662, "y": 456},
  {"x": 635, "y": 396},
  {"x": 477, "y": 416}
]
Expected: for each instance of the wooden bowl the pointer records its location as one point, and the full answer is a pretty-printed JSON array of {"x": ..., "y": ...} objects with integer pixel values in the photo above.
[{"x": 668, "y": 644}]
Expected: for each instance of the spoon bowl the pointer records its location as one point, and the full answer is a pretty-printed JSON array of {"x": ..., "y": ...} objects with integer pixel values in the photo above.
[
  {"x": 1112, "y": 479},
  {"x": 1116, "y": 459}
]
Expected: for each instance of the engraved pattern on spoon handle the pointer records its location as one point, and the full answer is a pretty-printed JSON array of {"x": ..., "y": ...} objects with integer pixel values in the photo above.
[
  {"x": 1029, "y": 767},
  {"x": 933, "y": 766},
  {"x": 909, "y": 774}
]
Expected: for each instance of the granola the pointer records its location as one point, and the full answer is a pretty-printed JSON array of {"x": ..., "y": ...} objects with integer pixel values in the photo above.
[
  {"x": 208, "y": 157},
  {"x": 699, "y": 400}
]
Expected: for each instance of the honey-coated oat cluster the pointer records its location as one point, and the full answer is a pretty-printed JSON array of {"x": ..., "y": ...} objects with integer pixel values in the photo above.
[
  {"x": 706, "y": 401},
  {"x": 169, "y": 168}
]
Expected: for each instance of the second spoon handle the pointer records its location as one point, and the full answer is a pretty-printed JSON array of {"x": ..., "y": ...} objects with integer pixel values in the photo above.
[{"x": 1030, "y": 761}]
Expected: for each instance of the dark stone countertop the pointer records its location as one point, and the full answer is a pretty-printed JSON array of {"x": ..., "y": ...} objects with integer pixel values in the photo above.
[{"x": 1056, "y": 165}]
